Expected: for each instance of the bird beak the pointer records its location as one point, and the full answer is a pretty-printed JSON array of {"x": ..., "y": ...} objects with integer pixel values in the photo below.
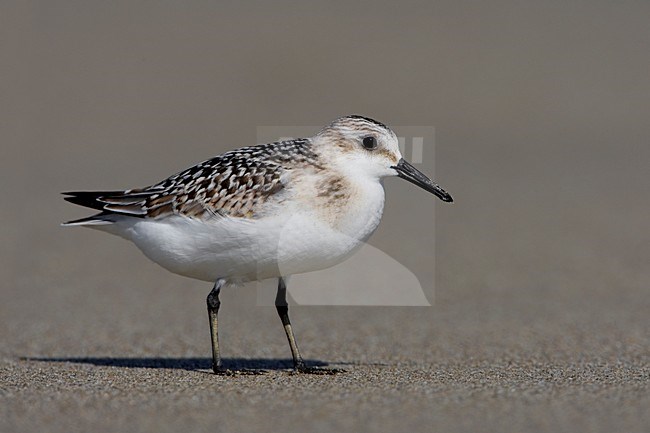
[{"x": 406, "y": 171}]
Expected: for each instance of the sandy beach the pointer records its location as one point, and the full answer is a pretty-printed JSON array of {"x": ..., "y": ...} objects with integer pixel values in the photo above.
[{"x": 541, "y": 290}]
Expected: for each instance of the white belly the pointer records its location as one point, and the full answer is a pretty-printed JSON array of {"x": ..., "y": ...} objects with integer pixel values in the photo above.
[{"x": 296, "y": 240}]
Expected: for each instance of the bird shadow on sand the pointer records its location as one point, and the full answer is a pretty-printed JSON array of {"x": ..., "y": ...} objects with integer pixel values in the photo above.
[{"x": 189, "y": 364}]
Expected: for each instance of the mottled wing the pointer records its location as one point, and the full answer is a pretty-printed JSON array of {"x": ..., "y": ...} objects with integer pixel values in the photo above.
[{"x": 234, "y": 184}]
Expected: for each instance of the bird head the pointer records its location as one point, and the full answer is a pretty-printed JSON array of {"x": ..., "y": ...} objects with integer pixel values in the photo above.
[{"x": 366, "y": 147}]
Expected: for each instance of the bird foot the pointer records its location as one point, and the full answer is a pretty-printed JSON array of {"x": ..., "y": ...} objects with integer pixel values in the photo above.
[
  {"x": 239, "y": 372},
  {"x": 303, "y": 369}
]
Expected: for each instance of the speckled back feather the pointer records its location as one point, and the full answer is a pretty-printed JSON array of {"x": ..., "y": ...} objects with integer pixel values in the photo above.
[{"x": 233, "y": 184}]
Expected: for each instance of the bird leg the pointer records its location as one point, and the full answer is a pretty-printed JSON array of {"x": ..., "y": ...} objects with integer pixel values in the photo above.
[
  {"x": 283, "y": 311},
  {"x": 213, "y": 308}
]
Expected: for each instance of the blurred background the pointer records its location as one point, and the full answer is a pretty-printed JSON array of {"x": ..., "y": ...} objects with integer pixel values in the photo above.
[{"x": 542, "y": 134}]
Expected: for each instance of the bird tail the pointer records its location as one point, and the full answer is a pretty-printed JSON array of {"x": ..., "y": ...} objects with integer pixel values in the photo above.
[
  {"x": 90, "y": 199},
  {"x": 111, "y": 204},
  {"x": 99, "y": 219}
]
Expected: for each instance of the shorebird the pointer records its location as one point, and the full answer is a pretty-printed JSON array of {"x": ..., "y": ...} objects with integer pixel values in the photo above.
[{"x": 260, "y": 212}]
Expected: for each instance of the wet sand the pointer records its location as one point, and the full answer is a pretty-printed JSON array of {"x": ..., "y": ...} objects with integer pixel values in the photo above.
[{"x": 540, "y": 296}]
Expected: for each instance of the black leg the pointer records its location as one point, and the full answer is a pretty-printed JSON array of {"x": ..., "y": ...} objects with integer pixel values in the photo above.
[
  {"x": 283, "y": 311},
  {"x": 213, "y": 308}
]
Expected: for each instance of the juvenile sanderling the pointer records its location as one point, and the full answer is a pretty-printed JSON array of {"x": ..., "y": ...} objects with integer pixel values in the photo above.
[{"x": 266, "y": 211}]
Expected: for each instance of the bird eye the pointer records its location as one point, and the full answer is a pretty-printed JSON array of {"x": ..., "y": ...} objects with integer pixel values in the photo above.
[{"x": 370, "y": 143}]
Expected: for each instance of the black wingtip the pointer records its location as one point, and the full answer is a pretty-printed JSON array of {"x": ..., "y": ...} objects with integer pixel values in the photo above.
[{"x": 84, "y": 198}]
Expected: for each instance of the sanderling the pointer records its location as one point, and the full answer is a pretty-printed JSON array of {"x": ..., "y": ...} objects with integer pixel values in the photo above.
[{"x": 259, "y": 212}]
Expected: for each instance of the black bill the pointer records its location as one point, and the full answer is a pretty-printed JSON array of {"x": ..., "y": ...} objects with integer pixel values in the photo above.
[{"x": 416, "y": 177}]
